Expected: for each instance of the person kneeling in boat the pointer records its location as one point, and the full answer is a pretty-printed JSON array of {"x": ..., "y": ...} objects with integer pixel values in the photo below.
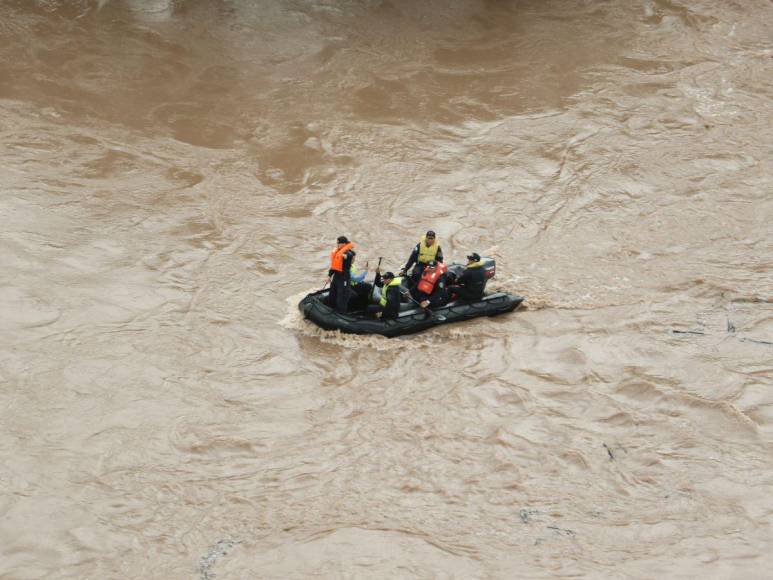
[
  {"x": 432, "y": 289},
  {"x": 471, "y": 283},
  {"x": 426, "y": 251},
  {"x": 388, "y": 306}
]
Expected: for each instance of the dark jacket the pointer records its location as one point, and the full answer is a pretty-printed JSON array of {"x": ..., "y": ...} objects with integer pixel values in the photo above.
[
  {"x": 414, "y": 258},
  {"x": 440, "y": 295},
  {"x": 472, "y": 282},
  {"x": 348, "y": 257},
  {"x": 392, "y": 308}
]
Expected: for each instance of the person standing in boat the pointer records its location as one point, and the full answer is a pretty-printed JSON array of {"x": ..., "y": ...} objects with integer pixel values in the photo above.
[
  {"x": 339, "y": 274},
  {"x": 427, "y": 250},
  {"x": 391, "y": 291},
  {"x": 470, "y": 284}
]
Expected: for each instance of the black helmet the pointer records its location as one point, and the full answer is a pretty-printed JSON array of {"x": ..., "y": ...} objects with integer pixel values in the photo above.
[
  {"x": 430, "y": 234},
  {"x": 343, "y": 240},
  {"x": 474, "y": 257},
  {"x": 387, "y": 275}
]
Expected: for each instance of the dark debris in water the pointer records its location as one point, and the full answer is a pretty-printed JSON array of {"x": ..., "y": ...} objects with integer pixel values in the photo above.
[
  {"x": 526, "y": 513},
  {"x": 562, "y": 531},
  {"x": 731, "y": 330},
  {"x": 769, "y": 343},
  {"x": 698, "y": 332},
  {"x": 207, "y": 562}
]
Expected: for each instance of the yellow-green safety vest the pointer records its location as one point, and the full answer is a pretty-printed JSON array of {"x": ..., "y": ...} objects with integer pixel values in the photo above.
[
  {"x": 427, "y": 253},
  {"x": 395, "y": 282}
]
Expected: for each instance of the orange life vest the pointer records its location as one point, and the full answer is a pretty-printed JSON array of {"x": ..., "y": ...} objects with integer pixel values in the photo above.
[
  {"x": 337, "y": 257},
  {"x": 429, "y": 278}
]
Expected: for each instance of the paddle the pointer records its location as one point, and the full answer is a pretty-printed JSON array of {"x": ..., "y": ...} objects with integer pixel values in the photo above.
[{"x": 426, "y": 309}]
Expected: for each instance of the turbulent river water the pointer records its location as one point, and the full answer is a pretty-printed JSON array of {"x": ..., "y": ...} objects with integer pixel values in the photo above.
[{"x": 173, "y": 175}]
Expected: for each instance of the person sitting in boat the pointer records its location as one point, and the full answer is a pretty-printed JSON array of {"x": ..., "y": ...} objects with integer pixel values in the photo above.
[
  {"x": 361, "y": 291},
  {"x": 391, "y": 293},
  {"x": 427, "y": 250},
  {"x": 471, "y": 283},
  {"x": 432, "y": 288},
  {"x": 339, "y": 274}
]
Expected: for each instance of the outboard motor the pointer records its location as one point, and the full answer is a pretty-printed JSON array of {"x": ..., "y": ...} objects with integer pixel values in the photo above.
[{"x": 489, "y": 268}]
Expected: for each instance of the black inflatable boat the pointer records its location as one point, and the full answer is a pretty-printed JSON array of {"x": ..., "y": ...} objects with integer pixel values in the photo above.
[{"x": 411, "y": 318}]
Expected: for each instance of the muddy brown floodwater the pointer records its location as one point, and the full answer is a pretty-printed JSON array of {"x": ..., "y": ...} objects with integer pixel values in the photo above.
[{"x": 173, "y": 174}]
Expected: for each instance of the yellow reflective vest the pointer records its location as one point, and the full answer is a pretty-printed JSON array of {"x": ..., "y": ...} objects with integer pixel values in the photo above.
[
  {"x": 395, "y": 282},
  {"x": 427, "y": 253}
]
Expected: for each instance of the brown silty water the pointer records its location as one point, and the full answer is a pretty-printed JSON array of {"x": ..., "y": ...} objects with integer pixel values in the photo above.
[{"x": 173, "y": 175}]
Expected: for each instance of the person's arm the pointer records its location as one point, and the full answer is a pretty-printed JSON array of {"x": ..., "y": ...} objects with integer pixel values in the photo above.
[
  {"x": 439, "y": 256},
  {"x": 377, "y": 280},
  {"x": 348, "y": 257},
  {"x": 411, "y": 260}
]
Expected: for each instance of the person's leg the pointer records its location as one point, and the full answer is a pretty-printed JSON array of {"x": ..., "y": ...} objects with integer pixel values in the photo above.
[
  {"x": 438, "y": 298},
  {"x": 462, "y": 294},
  {"x": 373, "y": 309},
  {"x": 337, "y": 293},
  {"x": 466, "y": 294},
  {"x": 358, "y": 298},
  {"x": 416, "y": 273},
  {"x": 333, "y": 294},
  {"x": 342, "y": 293}
]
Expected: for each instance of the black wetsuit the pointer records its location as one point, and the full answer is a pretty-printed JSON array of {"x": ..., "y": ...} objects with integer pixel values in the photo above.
[
  {"x": 470, "y": 285},
  {"x": 340, "y": 284}
]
